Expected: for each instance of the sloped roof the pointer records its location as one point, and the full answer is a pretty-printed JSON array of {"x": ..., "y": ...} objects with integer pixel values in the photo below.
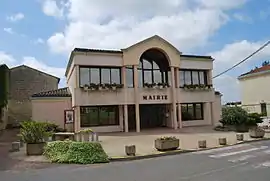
[
  {"x": 62, "y": 92},
  {"x": 20, "y": 66},
  {"x": 257, "y": 70}
]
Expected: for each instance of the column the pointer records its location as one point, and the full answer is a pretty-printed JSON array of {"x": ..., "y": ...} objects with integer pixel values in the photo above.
[
  {"x": 177, "y": 93},
  {"x": 77, "y": 121},
  {"x": 126, "y": 117},
  {"x": 179, "y": 116},
  {"x": 174, "y": 117},
  {"x": 125, "y": 114},
  {"x": 121, "y": 117},
  {"x": 136, "y": 94},
  {"x": 209, "y": 77},
  {"x": 207, "y": 113}
]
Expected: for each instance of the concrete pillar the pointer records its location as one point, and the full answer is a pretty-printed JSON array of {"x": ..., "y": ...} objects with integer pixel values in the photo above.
[
  {"x": 126, "y": 117},
  {"x": 136, "y": 94},
  {"x": 77, "y": 121},
  {"x": 209, "y": 77},
  {"x": 174, "y": 116},
  {"x": 121, "y": 117},
  {"x": 207, "y": 113},
  {"x": 179, "y": 116}
]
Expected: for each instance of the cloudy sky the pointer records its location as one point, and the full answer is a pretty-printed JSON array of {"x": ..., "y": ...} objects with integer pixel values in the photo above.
[{"x": 41, "y": 33}]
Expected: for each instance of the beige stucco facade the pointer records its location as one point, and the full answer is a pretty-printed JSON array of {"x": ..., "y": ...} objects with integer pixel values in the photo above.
[
  {"x": 50, "y": 109},
  {"x": 134, "y": 96},
  {"x": 255, "y": 91}
]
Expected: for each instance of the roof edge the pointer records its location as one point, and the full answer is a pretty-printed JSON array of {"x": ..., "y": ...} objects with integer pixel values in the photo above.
[
  {"x": 253, "y": 74},
  {"x": 58, "y": 79}
]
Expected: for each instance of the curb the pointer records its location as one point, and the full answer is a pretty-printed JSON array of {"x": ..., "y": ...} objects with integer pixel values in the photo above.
[
  {"x": 140, "y": 157},
  {"x": 177, "y": 152}
]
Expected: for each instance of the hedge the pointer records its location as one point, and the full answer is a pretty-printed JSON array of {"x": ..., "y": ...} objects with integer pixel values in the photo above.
[{"x": 75, "y": 152}]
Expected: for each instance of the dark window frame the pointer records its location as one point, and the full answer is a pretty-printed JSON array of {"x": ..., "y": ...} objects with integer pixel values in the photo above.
[
  {"x": 100, "y": 73},
  {"x": 195, "y": 117},
  {"x": 99, "y": 108},
  {"x": 130, "y": 68},
  {"x": 164, "y": 74},
  {"x": 205, "y": 76},
  {"x": 263, "y": 109}
]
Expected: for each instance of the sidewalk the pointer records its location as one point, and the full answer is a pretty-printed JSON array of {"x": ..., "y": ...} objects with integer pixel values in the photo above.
[{"x": 114, "y": 143}]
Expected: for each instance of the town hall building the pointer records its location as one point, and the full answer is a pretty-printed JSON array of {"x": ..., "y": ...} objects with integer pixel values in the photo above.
[{"x": 150, "y": 84}]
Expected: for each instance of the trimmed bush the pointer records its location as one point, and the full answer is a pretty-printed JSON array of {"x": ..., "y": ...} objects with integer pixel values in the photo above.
[{"x": 75, "y": 152}]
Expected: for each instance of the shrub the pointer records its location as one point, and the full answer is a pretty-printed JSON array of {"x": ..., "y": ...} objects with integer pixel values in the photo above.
[
  {"x": 234, "y": 116},
  {"x": 237, "y": 116},
  {"x": 33, "y": 132},
  {"x": 254, "y": 119},
  {"x": 51, "y": 127},
  {"x": 75, "y": 152}
]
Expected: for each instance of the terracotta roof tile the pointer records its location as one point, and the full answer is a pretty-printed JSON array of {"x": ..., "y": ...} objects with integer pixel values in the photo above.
[
  {"x": 62, "y": 92},
  {"x": 261, "y": 69}
]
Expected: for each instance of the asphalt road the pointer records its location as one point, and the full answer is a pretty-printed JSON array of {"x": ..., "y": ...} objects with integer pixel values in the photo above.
[{"x": 246, "y": 162}]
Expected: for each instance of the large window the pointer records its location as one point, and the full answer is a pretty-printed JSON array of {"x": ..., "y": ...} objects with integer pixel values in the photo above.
[
  {"x": 150, "y": 72},
  {"x": 129, "y": 76},
  {"x": 192, "y": 77},
  {"x": 98, "y": 75},
  {"x": 192, "y": 111},
  {"x": 99, "y": 116}
]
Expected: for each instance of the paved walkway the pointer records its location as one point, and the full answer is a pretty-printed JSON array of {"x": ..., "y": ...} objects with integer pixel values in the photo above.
[
  {"x": 8, "y": 161},
  {"x": 114, "y": 143}
]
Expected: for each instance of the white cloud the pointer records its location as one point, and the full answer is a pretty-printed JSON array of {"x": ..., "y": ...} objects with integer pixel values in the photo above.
[
  {"x": 15, "y": 17},
  {"x": 9, "y": 30},
  {"x": 37, "y": 64},
  {"x": 242, "y": 17},
  {"x": 228, "y": 4},
  {"x": 103, "y": 24},
  {"x": 51, "y": 8},
  {"x": 228, "y": 56},
  {"x": 6, "y": 58},
  {"x": 38, "y": 41}
]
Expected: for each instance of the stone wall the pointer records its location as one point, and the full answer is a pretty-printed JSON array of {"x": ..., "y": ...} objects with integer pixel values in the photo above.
[{"x": 24, "y": 82}]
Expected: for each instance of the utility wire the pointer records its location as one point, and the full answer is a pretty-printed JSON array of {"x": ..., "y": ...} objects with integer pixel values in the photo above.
[{"x": 248, "y": 57}]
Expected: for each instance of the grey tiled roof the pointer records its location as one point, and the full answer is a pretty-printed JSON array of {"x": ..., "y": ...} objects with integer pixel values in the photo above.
[{"x": 62, "y": 92}]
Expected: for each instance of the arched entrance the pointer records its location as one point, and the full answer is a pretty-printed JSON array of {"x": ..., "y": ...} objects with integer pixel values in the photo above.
[{"x": 153, "y": 68}]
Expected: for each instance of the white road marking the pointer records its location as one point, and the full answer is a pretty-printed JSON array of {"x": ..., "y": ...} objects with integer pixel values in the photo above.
[
  {"x": 211, "y": 171},
  {"x": 222, "y": 149},
  {"x": 264, "y": 164},
  {"x": 267, "y": 151},
  {"x": 237, "y": 152},
  {"x": 242, "y": 158}
]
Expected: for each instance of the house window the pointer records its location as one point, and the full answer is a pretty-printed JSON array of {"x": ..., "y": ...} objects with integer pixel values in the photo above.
[
  {"x": 99, "y": 75},
  {"x": 192, "y": 111},
  {"x": 263, "y": 109},
  {"x": 192, "y": 77},
  {"x": 129, "y": 76},
  {"x": 99, "y": 116}
]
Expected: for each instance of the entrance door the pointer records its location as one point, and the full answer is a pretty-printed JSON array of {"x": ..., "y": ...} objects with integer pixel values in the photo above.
[{"x": 152, "y": 116}]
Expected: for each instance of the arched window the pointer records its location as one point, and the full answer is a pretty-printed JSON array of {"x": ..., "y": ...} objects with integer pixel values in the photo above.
[{"x": 153, "y": 68}]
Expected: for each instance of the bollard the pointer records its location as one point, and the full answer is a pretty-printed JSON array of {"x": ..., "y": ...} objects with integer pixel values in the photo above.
[
  {"x": 15, "y": 146},
  {"x": 239, "y": 137},
  {"x": 130, "y": 150},
  {"x": 222, "y": 141},
  {"x": 202, "y": 144}
]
